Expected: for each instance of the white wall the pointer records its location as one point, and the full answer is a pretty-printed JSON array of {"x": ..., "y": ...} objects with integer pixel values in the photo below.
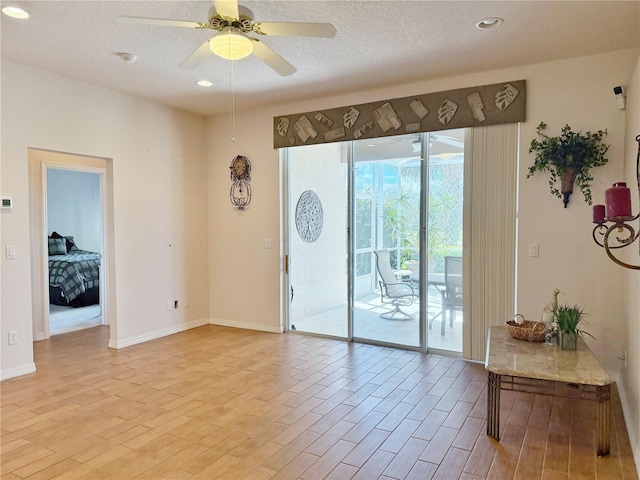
[
  {"x": 578, "y": 92},
  {"x": 158, "y": 161},
  {"x": 73, "y": 207},
  {"x": 630, "y": 381},
  {"x": 245, "y": 274}
]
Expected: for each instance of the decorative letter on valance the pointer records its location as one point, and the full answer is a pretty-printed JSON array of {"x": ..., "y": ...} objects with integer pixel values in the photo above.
[{"x": 466, "y": 107}]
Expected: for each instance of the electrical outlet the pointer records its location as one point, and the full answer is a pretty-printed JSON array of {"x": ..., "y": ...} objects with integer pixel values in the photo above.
[
  {"x": 13, "y": 337},
  {"x": 175, "y": 304},
  {"x": 186, "y": 303},
  {"x": 169, "y": 305},
  {"x": 533, "y": 250}
]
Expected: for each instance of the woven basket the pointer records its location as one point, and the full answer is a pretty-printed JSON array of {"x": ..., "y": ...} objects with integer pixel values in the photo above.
[{"x": 527, "y": 330}]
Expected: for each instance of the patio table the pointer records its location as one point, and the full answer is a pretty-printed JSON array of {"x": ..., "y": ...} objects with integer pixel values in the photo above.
[{"x": 436, "y": 280}]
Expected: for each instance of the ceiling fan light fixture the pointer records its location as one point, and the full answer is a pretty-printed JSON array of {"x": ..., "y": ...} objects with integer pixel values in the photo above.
[
  {"x": 231, "y": 45},
  {"x": 15, "y": 12}
]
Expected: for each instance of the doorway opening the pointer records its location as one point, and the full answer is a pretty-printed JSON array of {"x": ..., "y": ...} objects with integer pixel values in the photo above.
[
  {"x": 74, "y": 228},
  {"x": 70, "y": 217},
  {"x": 387, "y": 186}
]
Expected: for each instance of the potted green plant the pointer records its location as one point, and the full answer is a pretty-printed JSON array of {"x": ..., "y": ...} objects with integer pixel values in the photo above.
[
  {"x": 568, "y": 318},
  {"x": 568, "y": 157}
]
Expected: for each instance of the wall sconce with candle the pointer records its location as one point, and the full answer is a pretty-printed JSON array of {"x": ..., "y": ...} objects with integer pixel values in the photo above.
[{"x": 617, "y": 212}]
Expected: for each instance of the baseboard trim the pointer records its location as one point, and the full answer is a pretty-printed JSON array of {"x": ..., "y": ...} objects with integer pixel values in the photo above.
[
  {"x": 628, "y": 420},
  {"x": 124, "y": 343},
  {"x": 246, "y": 325},
  {"x": 17, "y": 371},
  {"x": 38, "y": 337}
]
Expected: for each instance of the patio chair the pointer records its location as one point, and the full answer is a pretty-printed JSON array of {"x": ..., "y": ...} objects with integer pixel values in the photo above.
[
  {"x": 392, "y": 290},
  {"x": 452, "y": 295}
]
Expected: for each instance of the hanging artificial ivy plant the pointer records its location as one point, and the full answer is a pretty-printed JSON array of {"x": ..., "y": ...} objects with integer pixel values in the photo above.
[{"x": 568, "y": 157}]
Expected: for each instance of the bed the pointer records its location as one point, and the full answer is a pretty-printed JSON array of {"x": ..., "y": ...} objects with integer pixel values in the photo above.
[{"x": 74, "y": 274}]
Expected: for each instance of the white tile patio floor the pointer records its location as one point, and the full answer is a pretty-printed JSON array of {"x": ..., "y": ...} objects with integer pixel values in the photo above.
[{"x": 370, "y": 325}]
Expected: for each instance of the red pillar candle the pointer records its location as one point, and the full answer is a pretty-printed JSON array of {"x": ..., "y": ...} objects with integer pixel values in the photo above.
[
  {"x": 618, "y": 201},
  {"x": 598, "y": 214}
]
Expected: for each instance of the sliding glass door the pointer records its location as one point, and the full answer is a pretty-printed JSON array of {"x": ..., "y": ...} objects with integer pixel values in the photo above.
[
  {"x": 317, "y": 250},
  {"x": 375, "y": 240},
  {"x": 445, "y": 186},
  {"x": 386, "y": 240}
]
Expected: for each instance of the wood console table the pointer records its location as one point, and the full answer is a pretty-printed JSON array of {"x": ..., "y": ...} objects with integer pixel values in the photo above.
[{"x": 534, "y": 367}]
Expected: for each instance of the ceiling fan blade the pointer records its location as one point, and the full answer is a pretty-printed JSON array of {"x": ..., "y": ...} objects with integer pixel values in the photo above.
[
  {"x": 197, "y": 57},
  {"x": 272, "y": 59},
  {"x": 298, "y": 29},
  {"x": 160, "y": 21},
  {"x": 227, "y": 8}
]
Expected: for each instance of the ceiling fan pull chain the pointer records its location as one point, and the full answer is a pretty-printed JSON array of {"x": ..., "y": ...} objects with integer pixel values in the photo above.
[{"x": 232, "y": 100}]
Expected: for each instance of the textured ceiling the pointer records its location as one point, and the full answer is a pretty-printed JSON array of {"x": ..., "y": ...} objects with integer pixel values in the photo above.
[{"x": 378, "y": 44}]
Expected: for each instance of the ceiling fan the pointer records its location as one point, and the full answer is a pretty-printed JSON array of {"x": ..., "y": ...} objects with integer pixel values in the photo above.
[{"x": 235, "y": 37}]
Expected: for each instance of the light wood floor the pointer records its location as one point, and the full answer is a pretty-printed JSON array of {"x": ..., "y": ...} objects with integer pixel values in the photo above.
[{"x": 217, "y": 402}]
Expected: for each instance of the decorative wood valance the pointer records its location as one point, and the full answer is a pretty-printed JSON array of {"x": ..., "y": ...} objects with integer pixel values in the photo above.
[{"x": 465, "y": 107}]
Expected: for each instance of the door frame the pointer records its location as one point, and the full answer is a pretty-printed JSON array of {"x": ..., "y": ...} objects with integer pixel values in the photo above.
[
  {"x": 286, "y": 232},
  {"x": 39, "y": 162}
]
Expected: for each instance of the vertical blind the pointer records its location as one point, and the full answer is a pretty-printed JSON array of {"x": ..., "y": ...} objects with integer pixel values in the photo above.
[{"x": 490, "y": 232}]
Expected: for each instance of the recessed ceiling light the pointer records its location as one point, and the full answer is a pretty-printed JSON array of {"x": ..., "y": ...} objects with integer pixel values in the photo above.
[
  {"x": 127, "y": 57},
  {"x": 204, "y": 83},
  {"x": 15, "y": 12},
  {"x": 489, "y": 22}
]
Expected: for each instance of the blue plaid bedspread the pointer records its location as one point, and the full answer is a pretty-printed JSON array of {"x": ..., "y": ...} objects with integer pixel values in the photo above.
[{"x": 74, "y": 272}]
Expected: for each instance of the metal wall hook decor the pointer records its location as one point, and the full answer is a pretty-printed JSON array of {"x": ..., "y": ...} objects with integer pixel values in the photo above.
[{"x": 615, "y": 216}]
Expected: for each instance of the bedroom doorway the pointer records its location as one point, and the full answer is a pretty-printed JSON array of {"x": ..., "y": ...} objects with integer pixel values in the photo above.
[
  {"x": 74, "y": 234},
  {"x": 71, "y": 215}
]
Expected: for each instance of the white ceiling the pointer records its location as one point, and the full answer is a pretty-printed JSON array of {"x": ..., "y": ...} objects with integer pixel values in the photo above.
[{"x": 378, "y": 44}]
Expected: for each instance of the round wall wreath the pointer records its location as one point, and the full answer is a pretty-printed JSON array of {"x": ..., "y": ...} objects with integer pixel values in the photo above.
[{"x": 309, "y": 216}]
